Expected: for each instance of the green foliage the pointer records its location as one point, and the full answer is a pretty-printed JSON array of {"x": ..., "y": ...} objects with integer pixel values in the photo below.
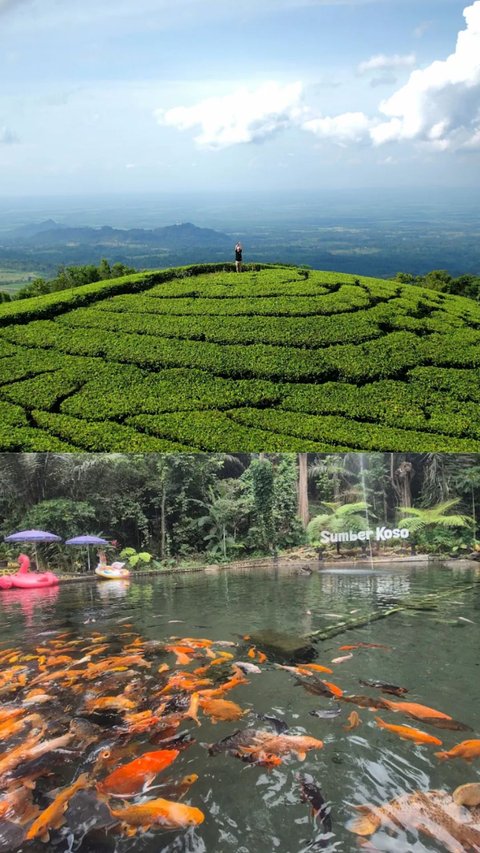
[
  {"x": 101, "y": 436},
  {"x": 263, "y": 497},
  {"x": 63, "y": 515},
  {"x": 338, "y": 518},
  {"x": 436, "y": 531},
  {"x": 136, "y": 559},
  {"x": 68, "y": 277}
]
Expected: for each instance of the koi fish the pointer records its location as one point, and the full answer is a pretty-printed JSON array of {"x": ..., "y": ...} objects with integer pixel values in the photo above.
[
  {"x": 342, "y": 659},
  {"x": 353, "y": 721},
  {"x": 432, "y": 812},
  {"x": 52, "y": 816},
  {"x": 17, "y": 805},
  {"x": 183, "y": 654},
  {"x": 467, "y": 749},
  {"x": 413, "y": 709},
  {"x": 385, "y": 688},
  {"x": 364, "y": 701},
  {"x": 245, "y": 666},
  {"x": 311, "y": 793},
  {"x": 316, "y": 667},
  {"x": 408, "y": 733},
  {"x": 280, "y": 726},
  {"x": 327, "y": 714},
  {"x": 114, "y": 703},
  {"x": 192, "y": 710},
  {"x": 252, "y": 742},
  {"x": 221, "y": 709},
  {"x": 160, "y": 812},
  {"x": 285, "y": 744},
  {"x": 130, "y": 779},
  {"x": 319, "y": 687},
  {"x": 296, "y": 670}
]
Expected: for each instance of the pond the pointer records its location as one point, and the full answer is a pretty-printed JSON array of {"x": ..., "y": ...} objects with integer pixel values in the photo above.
[{"x": 250, "y": 806}]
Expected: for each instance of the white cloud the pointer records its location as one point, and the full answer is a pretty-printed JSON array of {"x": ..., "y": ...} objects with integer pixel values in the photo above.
[
  {"x": 342, "y": 129},
  {"x": 422, "y": 28},
  {"x": 439, "y": 104},
  {"x": 381, "y": 62},
  {"x": 243, "y": 116}
]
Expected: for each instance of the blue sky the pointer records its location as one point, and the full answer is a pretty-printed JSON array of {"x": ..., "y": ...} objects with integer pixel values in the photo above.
[{"x": 156, "y": 95}]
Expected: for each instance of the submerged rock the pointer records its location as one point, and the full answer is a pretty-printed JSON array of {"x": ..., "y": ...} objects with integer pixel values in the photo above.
[{"x": 284, "y": 647}]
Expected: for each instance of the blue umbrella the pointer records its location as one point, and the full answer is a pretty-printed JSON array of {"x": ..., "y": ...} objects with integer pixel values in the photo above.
[
  {"x": 87, "y": 540},
  {"x": 33, "y": 536}
]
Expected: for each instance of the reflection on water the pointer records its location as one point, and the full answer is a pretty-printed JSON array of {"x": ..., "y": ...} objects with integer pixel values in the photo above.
[
  {"x": 111, "y": 590},
  {"x": 250, "y": 809}
]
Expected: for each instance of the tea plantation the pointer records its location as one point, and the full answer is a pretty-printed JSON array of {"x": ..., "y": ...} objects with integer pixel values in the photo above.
[{"x": 277, "y": 358}]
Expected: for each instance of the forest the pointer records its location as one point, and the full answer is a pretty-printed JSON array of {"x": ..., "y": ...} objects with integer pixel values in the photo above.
[{"x": 181, "y": 509}]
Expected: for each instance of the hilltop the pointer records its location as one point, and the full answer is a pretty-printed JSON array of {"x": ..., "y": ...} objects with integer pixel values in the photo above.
[{"x": 277, "y": 358}]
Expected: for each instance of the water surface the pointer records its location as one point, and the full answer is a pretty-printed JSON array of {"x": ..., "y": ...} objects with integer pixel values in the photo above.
[{"x": 249, "y": 809}]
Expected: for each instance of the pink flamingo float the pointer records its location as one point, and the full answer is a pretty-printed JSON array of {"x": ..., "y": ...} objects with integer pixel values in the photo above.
[{"x": 25, "y": 579}]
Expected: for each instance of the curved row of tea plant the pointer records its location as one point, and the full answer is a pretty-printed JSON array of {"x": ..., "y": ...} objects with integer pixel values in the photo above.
[{"x": 277, "y": 358}]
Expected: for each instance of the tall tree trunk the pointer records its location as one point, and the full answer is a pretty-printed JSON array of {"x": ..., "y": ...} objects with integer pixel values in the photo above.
[
  {"x": 163, "y": 527},
  {"x": 303, "y": 512}
]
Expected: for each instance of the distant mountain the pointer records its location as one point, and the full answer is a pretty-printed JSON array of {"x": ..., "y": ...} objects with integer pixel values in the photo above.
[{"x": 172, "y": 237}]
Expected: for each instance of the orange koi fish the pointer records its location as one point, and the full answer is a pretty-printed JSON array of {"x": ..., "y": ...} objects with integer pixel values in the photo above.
[
  {"x": 10, "y": 713},
  {"x": 193, "y": 641},
  {"x": 364, "y": 646},
  {"x": 467, "y": 749},
  {"x": 183, "y": 653},
  {"x": 412, "y": 709},
  {"x": 353, "y": 721},
  {"x": 408, "y": 733},
  {"x": 316, "y": 667},
  {"x": 186, "y": 682},
  {"x": 337, "y": 691},
  {"x": 17, "y": 805},
  {"x": 10, "y": 759},
  {"x": 160, "y": 812},
  {"x": 52, "y": 816},
  {"x": 114, "y": 703},
  {"x": 284, "y": 744},
  {"x": 251, "y": 652},
  {"x": 192, "y": 710},
  {"x": 221, "y": 709},
  {"x": 130, "y": 779}
]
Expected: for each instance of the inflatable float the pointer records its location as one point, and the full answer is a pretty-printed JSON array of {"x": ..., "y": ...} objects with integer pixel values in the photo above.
[
  {"x": 25, "y": 579},
  {"x": 114, "y": 572}
]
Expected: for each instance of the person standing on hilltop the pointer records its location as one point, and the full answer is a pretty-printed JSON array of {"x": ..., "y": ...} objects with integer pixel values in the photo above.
[{"x": 238, "y": 257}]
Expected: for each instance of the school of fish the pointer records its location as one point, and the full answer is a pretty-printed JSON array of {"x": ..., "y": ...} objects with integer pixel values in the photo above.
[{"x": 121, "y": 709}]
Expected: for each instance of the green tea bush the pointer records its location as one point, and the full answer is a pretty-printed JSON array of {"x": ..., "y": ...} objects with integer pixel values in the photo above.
[
  {"x": 211, "y": 431},
  {"x": 201, "y": 358}
]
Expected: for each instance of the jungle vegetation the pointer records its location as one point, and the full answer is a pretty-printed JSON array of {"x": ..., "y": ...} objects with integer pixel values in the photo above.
[{"x": 183, "y": 508}]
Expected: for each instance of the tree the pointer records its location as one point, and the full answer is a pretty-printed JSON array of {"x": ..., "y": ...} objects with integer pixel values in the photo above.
[
  {"x": 261, "y": 471},
  {"x": 339, "y": 518},
  {"x": 303, "y": 510},
  {"x": 424, "y": 523},
  {"x": 221, "y": 521}
]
